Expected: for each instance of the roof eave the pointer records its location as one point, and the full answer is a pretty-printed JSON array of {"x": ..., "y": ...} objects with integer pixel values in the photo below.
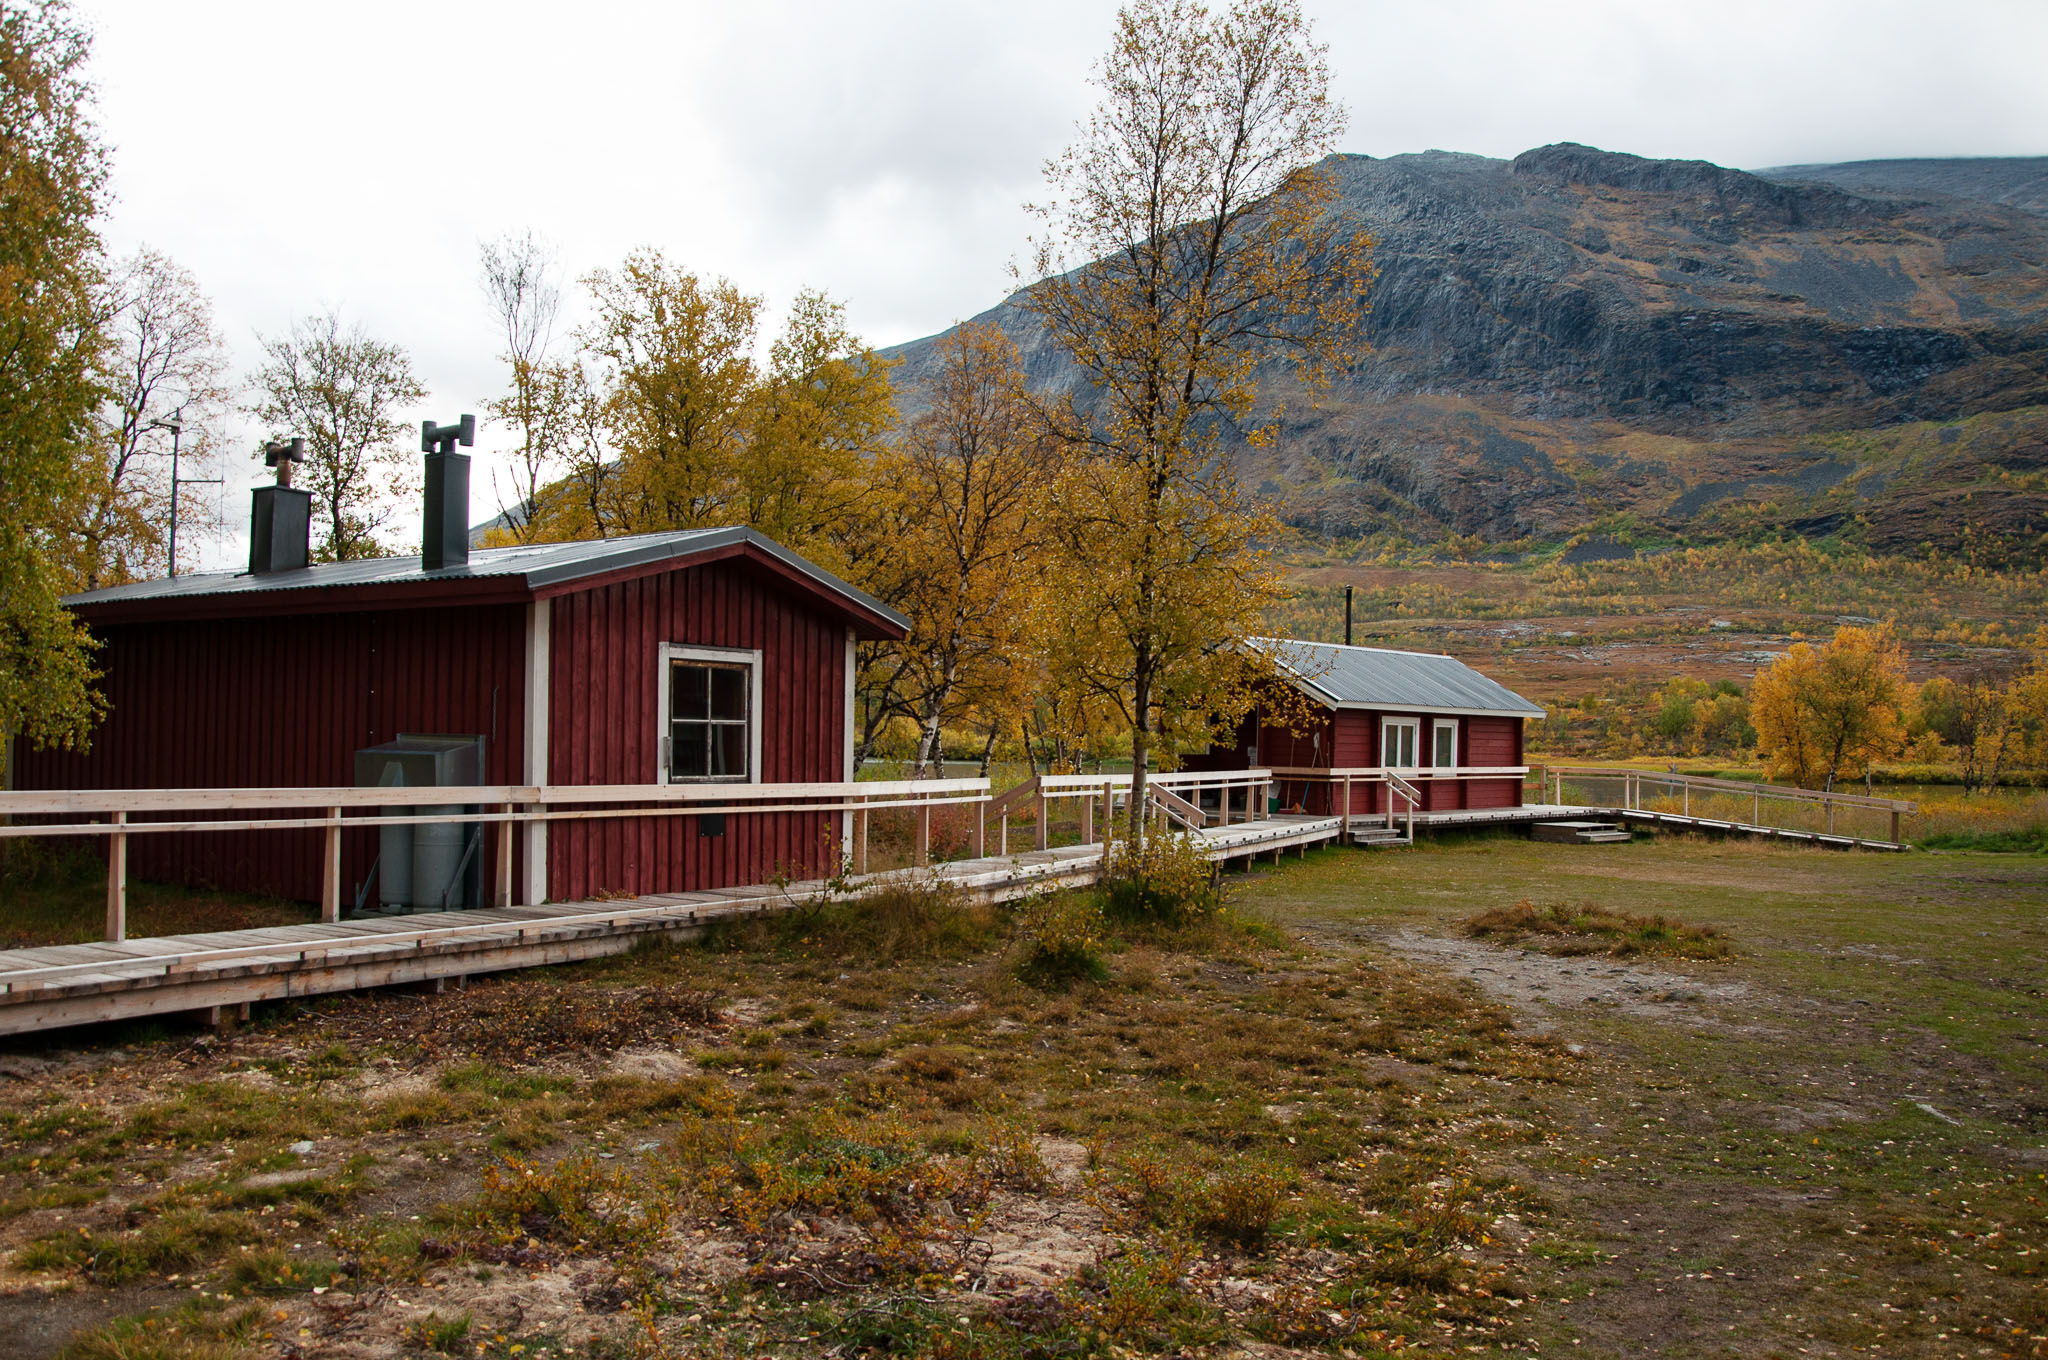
[{"x": 1380, "y": 706}]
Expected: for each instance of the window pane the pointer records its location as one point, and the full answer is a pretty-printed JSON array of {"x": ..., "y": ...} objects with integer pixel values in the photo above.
[
  {"x": 689, "y": 690},
  {"x": 1446, "y": 746},
  {"x": 1390, "y": 745},
  {"x": 690, "y": 751},
  {"x": 729, "y": 693},
  {"x": 729, "y": 750}
]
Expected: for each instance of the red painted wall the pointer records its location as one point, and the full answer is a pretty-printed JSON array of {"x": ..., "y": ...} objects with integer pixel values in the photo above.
[
  {"x": 605, "y": 727},
  {"x": 285, "y": 703},
  {"x": 1350, "y": 738}
]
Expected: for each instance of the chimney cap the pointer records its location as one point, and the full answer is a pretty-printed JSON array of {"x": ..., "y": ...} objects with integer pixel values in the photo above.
[{"x": 443, "y": 438}]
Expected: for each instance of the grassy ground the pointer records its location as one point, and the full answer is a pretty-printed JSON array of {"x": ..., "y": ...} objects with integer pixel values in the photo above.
[
  {"x": 1341, "y": 1124},
  {"x": 56, "y": 893}
]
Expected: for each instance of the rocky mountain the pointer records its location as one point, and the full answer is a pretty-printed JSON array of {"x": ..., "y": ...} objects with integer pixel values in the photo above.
[{"x": 1577, "y": 339}]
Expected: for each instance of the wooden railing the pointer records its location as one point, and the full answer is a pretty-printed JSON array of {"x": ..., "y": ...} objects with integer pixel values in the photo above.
[
  {"x": 113, "y": 814},
  {"x": 1768, "y": 806},
  {"x": 1395, "y": 786},
  {"x": 1174, "y": 796}
]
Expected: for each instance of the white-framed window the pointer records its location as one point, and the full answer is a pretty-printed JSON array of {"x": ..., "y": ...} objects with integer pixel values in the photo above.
[
  {"x": 1443, "y": 751},
  {"x": 710, "y": 715},
  {"x": 1398, "y": 740}
]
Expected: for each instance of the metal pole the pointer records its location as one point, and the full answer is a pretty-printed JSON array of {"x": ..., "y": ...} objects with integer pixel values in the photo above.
[{"x": 175, "y": 431}]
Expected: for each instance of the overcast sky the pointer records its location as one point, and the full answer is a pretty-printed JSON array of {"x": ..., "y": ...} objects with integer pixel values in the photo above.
[{"x": 299, "y": 155}]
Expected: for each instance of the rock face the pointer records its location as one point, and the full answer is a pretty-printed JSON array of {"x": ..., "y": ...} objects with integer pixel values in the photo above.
[{"x": 1576, "y": 333}]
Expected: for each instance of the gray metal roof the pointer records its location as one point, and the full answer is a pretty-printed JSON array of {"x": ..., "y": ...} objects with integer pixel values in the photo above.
[
  {"x": 1376, "y": 677},
  {"x": 538, "y": 565}
]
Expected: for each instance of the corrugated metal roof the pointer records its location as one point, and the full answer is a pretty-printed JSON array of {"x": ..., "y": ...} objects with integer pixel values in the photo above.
[
  {"x": 539, "y": 565},
  {"x": 1376, "y": 677}
]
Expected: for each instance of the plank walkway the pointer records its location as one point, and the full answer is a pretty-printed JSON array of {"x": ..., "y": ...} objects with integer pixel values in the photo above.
[
  {"x": 53, "y": 987},
  {"x": 58, "y": 986},
  {"x": 1548, "y": 812}
]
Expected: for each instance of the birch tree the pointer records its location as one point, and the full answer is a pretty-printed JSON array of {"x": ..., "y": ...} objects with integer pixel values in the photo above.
[
  {"x": 1189, "y": 240},
  {"x": 52, "y": 175},
  {"x": 1827, "y": 713},
  {"x": 518, "y": 278},
  {"x": 343, "y": 391},
  {"x": 163, "y": 363},
  {"x": 961, "y": 495}
]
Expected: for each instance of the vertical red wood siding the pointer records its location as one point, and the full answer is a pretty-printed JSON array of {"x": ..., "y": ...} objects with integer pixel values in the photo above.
[
  {"x": 286, "y": 703},
  {"x": 1350, "y": 739},
  {"x": 605, "y": 727}
]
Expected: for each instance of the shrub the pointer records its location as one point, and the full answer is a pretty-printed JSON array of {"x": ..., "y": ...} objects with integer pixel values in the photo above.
[
  {"x": 572, "y": 1202},
  {"x": 1236, "y": 1203},
  {"x": 916, "y": 919},
  {"x": 1164, "y": 880},
  {"x": 1063, "y": 939},
  {"x": 1591, "y": 929}
]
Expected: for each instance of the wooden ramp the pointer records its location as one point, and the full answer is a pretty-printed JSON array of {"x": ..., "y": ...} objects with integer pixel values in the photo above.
[{"x": 50, "y": 988}]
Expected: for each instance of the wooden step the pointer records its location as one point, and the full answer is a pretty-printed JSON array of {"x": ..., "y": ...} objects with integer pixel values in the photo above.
[{"x": 1579, "y": 833}]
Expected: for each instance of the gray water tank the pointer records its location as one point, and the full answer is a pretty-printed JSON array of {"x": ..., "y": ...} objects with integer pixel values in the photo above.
[{"x": 429, "y": 865}]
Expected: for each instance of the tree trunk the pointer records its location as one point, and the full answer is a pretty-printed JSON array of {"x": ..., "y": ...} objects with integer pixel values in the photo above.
[
  {"x": 988, "y": 748},
  {"x": 1141, "y": 744}
]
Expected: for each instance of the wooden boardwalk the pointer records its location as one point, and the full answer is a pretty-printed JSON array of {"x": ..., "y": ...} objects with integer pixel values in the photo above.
[
  {"x": 44, "y": 989},
  {"x": 1548, "y": 812},
  {"x": 50, "y": 988}
]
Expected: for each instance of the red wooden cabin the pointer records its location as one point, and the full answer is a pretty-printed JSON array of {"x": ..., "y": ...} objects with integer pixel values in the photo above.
[
  {"x": 710, "y": 655},
  {"x": 1431, "y": 719}
]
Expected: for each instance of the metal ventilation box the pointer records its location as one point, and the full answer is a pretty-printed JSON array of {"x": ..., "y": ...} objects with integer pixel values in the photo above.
[{"x": 426, "y": 866}]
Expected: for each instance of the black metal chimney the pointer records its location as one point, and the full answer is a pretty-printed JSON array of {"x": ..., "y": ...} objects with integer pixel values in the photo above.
[
  {"x": 281, "y": 516},
  {"x": 445, "y": 532},
  {"x": 1347, "y": 616}
]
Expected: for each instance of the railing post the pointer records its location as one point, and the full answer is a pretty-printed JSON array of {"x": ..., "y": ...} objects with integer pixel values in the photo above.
[
  {"x": 330, "y": 869},
  {"x": 1687, "y": 790},
  {"x": 1756, "y": 813},
  {"x": 921, "y": 851},
  {"x": 117, "y": 881},
  {"x": 1895, "y": 826},
  {"x": 1044, "y": 807},
  {"x": 1108, "y": 810},
  {"x": 860, "y": 836},
  {"x": 980, "y": 827},
  {"x": 1087, "y": 821},
  {"x": 1344, "y": 817},
  {"x": 505, "y": 828}
]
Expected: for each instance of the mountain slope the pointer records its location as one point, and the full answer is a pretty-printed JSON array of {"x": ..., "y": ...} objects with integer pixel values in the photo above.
[
  {"x": 2015, "y": 181},
  {"x": 1575, "y": 335}
]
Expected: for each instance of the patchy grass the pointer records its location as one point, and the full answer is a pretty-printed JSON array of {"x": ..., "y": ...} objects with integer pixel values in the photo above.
[
  {"x": 55, "y": 892},
  {"x": 2031, "y": 840},
  {"x": 830, "y": 1134},
  {"x": 1588, "y": 928}
]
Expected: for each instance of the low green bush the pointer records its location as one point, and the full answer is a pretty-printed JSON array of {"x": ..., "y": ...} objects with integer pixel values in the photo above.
[
  {"x": 1162, "y": 880},
  {"x": 1064, "y": 935}
]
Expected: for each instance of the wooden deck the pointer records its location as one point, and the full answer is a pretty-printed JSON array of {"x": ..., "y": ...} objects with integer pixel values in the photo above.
[{"x": 43, "y": 989}]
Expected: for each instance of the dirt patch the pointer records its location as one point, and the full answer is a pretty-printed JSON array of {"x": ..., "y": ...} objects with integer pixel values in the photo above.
[{"x": 1533, "y": 983}]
